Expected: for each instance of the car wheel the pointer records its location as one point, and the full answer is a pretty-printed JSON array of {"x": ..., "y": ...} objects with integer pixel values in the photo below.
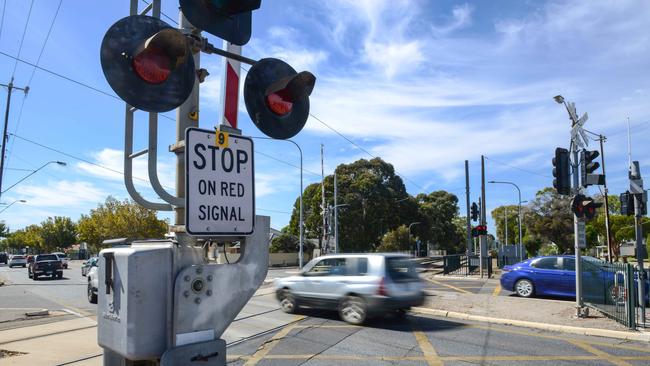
[
  {"x": 59, "y": 276},
  {"x": 400, "y": 313},
  {"x": 35, "y": 277},
  {"x": 524, "y": 288},
  {"x": 353, "y": 310},
  {"x": 288, "y": 302},
  {"x": 92, "y": 297}
]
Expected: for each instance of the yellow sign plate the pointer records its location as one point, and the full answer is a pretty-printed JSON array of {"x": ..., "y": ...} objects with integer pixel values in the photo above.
[{"x": 221, "y": 139}]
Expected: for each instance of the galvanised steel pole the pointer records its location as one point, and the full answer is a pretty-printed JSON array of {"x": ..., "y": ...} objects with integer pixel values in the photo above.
[{"x": 467, "y": 204}]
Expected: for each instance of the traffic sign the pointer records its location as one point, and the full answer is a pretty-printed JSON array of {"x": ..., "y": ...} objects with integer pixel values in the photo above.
[{"x": 220, "y": 184}]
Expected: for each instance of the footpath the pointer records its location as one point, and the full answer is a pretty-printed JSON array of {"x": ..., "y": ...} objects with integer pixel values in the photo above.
[{"x": 73, "y": 340}]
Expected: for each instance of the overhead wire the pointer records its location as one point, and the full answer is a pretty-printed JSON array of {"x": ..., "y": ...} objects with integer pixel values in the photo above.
[
  {"x": 518, "y": 168},
  {"x": 107, "y": 168},
  {"x": 2, "y": 20},
  {"x": 31, "y": 77},
  {"x": 22, "y": 39}
]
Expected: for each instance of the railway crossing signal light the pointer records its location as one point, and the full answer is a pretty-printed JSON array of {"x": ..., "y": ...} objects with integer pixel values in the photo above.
[
  {"x": 148, "y": 63},
  {"x": 481, "y": 230},
  {"x": 583, "y": 206},
  {"x": 277, "y": 97},
  {"x": 474, "y": 211},
  {"x": 226, "y": 19},
  {"x": 588, "y": 166},
  {"x": 561, "y": 171}
]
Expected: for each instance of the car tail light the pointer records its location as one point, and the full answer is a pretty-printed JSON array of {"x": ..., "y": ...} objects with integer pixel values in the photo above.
[{"x": 381, "y": 291}]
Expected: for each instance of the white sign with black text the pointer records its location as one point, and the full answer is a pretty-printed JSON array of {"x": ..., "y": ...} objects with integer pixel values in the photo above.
[{"x": 219, "y": 183}]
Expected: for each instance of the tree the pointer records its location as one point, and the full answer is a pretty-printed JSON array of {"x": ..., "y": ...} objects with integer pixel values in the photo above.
[
  {"x": 549, "y": 218},
  {"x": 119, "y": 219},
  {"x": 4, "y": 230},
  {"x": 437, "y": 212},
  {"x": 370, "y": 189},
  {"x": 58, "y": 233},
  {"x": 397, "y": 240},
  {"x": 512, "y": 212}
]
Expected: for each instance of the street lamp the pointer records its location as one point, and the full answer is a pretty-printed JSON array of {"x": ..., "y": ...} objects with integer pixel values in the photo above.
[
  {"x": 521, "y": 245},
  {"x": 9, "y": 205},
  {"x": 62, "y": 163},
  {"x": 301, "y": 221},
  {"x": 410, "y": 225}
]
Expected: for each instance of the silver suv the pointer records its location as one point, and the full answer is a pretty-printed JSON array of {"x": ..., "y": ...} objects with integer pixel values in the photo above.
[{"x": 357, "y": 285}]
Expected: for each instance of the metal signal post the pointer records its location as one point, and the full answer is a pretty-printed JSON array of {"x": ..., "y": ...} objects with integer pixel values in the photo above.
[{"x": 178, "y": 304}]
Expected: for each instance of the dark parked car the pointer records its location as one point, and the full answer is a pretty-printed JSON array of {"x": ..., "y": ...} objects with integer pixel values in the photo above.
[
  {"x": 556, "y": 276},
  {"x": 4, "y": 257},
  {"x": 44, "y": 265},
  {"x": 85, "y": 268}
]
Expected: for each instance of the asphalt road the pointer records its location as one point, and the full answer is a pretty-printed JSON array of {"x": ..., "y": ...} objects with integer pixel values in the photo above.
[{"x": 322, "y": 339}]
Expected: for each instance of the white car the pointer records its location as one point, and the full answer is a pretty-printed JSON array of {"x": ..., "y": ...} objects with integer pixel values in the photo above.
[
  {"x": 93, "y": 285},
  {"x": 62, "y": 258},
  {"x": 17, "y": 261},
  {"x": 357, "y": 285}
]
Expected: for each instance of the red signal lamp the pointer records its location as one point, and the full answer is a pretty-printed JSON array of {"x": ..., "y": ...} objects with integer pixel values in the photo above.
[{"x": 159, "y": 54}]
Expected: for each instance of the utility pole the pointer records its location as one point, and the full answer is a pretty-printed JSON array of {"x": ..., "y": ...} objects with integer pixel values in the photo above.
[
  {"x": 483, "y": 238},
  {"x": 469, "y": 222},
  {"x": 336, "y": 217},
  {"x": 608, "y": 232},
  {"x": 640, "y": 200},
  {"x": 323, "y": 246},
  {"x": 9, "y": 87},
  {"x": 505, "y": 214}
]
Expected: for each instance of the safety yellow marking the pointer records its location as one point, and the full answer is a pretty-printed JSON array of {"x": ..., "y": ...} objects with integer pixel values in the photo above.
[
  {"x": 548, "y": 336},
  {"x": 430, "y": 354},
  {"x": 441, "y": 358},
  {"x": 601, "y": 354},
  {"x": 449, "y": 286},
  {"x": 221, "y": 139},
  {"x": 497, "y": 290},
  {"x": 271, "y": 343}
]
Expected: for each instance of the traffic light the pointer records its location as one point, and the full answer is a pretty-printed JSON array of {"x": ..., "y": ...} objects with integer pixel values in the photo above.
[
  {"x": 277, "y": 97},
  {"x": 588, "y": 166},
  {"x": 481, "y": 229},
  {"x": 148, "y": 63},
  {"x": 226, "y": 19},
  {"x": 474, "y": 211},
  {"x": 627, "y": 203},
  {"x": 561, "y": 171}
]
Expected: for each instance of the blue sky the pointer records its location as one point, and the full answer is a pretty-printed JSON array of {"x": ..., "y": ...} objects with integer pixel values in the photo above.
[{"x": 422, "y": 84}]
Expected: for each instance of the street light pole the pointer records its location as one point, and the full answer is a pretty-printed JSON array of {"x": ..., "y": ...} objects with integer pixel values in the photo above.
[
  {"x": 62, "y": 163},
  {"x": 301, "y": 221},
  {"x": 410, "y": 225},
  {"x": 521, "y": 245},
  {"x": 9, "y": 205},
  {"x": 9, "y": 87}
]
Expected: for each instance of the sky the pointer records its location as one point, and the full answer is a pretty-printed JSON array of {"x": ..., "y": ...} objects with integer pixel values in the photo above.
[{"x": 422, "y": 84}]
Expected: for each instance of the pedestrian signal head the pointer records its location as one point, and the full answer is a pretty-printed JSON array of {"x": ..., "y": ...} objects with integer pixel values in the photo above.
[
  {"x": 148, "y": 63},
  {"x": 277, "y": 97}
]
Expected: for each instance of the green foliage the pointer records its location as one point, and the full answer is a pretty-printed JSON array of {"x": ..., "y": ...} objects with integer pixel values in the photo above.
[
  {"x": 58, "y": 233},
  {"x": 285, "y": 243},
  {"x": 549, "y": 249},
  {"x": 397, "y": 240},
  {"x": 550, "y": 219},
  {"x": 499, "y": 216},
  {"x": 119, "y": 219},
  {"x": 4, "y": 230},
  {"x": 437, "y": 211},
  {"x": 370, "y": 188}
]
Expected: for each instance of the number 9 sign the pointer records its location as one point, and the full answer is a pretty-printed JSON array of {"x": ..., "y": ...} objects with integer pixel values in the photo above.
[{"x": 221, "y": 139}]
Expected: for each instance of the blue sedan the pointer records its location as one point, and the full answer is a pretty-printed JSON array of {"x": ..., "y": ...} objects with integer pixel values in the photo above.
[{"x": 556, "y": 276}]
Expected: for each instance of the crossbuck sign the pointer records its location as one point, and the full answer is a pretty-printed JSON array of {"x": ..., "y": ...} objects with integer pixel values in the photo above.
[{"x": 220, "y": 183}]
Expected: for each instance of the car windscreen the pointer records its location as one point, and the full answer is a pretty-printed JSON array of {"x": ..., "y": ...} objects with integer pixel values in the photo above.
[
  {"x": 400, "y": 269},
  {"x": 47, "y": 257},
  {"x": 18, "y": 257}
]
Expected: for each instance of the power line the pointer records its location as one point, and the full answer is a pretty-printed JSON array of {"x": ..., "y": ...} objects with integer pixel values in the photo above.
[
  {"x": 72, "y": 80},
  {"x": 2, "y": 21},
  {"x": 22, "y": 39},
  {"x": 518, "y": 168},
  {"x": 361, "y": 148},
  {"x": 31, "y": 77},
  {"x": 285, "y": 162}
]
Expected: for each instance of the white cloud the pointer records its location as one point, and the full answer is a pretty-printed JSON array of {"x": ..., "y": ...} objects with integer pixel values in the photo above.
[
  {"x": 114, "y": 161},
  {"x": 62, "y": 194}
]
